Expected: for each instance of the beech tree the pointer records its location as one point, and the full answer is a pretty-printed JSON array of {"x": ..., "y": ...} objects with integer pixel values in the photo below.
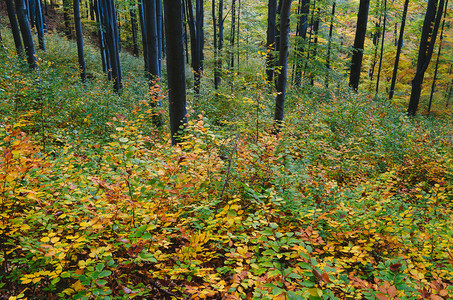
[
  {"x": 218, "y": 42},
  {"x": 270, "y": 38},
  {"x": 22, "y": 17},
  {"x": 111, "y": 39},
  {"x": 39, "y": 13},
  {"x": 301, "y": 36},
  {"x": 357, "y": 54},
  {"x": 174, "y": 30},
  {"x": 329, "y": 44},
  {"x": 427, "y": 41},
  {"x": 14, "y": 26},
  {"x": 196, "y": 39},
  {"x": 398, "y": 50},
  {"x": 79, "y": 36},
  {"x": 433, "y": 86},
  {"x": 282, "y": 63}
]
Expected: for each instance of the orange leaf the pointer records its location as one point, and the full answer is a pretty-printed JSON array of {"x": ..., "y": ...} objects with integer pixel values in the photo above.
[
  {"x": 382, "y": 296},
  {"x": 325, "y": 277},
  {"x": 392, "y": 291}
]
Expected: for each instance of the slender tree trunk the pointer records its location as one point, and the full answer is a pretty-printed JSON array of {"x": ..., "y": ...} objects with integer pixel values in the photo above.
[
  {"x": 398, "y": 50},
  {"x": 152, "y": 46},
  {"x": 309, "y": 36},
  {"x": 238, "y": 35},
  {"x": 14, "y": 27},
  {"x": 425, "y": 52},
  {"x": 433, "y": 86},
  {"x": 134, "y": 29},
  {"x": 304, "y": 10},
  {"x": 144, "y": 42},
  {"x": 160, "y": 31},
  {"x": 283, "y": 64},
  {"x": 67, "y": 25},
  {"x": 40, "y": 25},
  {"x": 382, "y": 47},
  {"x": 219, "y": 61},
  {"x": 315, "y": 44},
  {"x": 112, "y": 42},
  {"x": 105, "y": 66},
  {"x": 376, "y": 38},
  {"x": 356, "y": 62},
  {"x": 232, "y": 36},
  {"x": 175, "y": 67},
  {"x": 329, "y": 46},
  {"x": 79, "y": 35},
  {"x": 270, "y": 40},
  {"x": 27, "y": 37}
]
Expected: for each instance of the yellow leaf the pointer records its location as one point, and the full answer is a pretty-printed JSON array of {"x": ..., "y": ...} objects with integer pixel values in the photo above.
[
  {"x": 25, "y": 227},
  {"x": 45, "y": 239},
  {"x": 37, "y": 279},
  {"x": 77, "y": 286},
  {"x": 55, "y": 239}
]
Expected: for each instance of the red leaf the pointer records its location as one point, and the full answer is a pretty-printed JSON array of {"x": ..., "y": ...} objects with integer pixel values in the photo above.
[
  {"x": 395, "y": 267},
  {"x": 325, "y": 277}
]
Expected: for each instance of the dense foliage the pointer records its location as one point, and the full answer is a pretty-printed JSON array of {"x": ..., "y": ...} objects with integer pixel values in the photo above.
[{"x": 352, "y": 200}]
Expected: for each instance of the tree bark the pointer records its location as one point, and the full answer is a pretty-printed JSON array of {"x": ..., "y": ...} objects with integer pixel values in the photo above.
[
  {"x": 329, "y": 46},
  {"x": 40, "y": 25},
  {"x": 301, "y": 33},
  {"x": 14, "y": 27},
  {"x": 270, "y": 39},
  {"x": 433, "y": 86},
  {"x": 283, "y": 64},
  {"x": 79, "y": 35},
  {"x": 382, "y": 48},
  {"x": 67, "y": 25},
  {"x": 427, "y": 41},
  {"x": 356, "y": 62},
  {"x": 174, "y": 30},
  {"x": 27, "y": 37},
  {"x": 398, "y": 49},
  {"x": 133, "y": 16}
]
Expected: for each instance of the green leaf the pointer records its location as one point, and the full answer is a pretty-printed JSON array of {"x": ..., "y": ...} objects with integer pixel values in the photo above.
[{"x": 105, "y": 273}]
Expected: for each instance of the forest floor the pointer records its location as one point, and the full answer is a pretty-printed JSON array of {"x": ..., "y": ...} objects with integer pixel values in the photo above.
[{"x": 352, "y": 200}]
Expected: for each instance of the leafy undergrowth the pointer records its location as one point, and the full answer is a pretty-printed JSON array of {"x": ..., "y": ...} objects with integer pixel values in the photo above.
[{"x": 353, "y": 200}]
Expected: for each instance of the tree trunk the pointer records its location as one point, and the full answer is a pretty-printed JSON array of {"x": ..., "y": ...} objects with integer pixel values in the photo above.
[
  {"x": 425, "y": 52},
  {"x": 109, "y": 22},
  {"x": 160, "y": 32},
  {"x": 67, "y": 25},
  {"x": 105, "y": 65},
  {"x": 79, "y": 35},
  {"x": 14, "y": 27},
  {"x": 27, "y": 37},
  {"x": 152, "y": 46},
  {"x": 283, "y": 64},
  {"x": 270, "y": 39},
  {"x": 315, "y": 44},
  {"x": 301, "y": 33},
  {"x": 356, "y": 62},
  {"x": 382, "y": 47},
  {"x": 175, "y": 67},
  {"x": 134, "y": 29},
  {"x": 329, "y": 45},
  {"x": 398, "y": 50},
  {"x": 232, "y": 36},
  {"x": 40, "y": 25},
  {"x": 433, "y": 86}
]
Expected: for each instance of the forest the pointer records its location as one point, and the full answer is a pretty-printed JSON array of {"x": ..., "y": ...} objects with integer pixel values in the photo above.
[{"x": 226, "y": 149}]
